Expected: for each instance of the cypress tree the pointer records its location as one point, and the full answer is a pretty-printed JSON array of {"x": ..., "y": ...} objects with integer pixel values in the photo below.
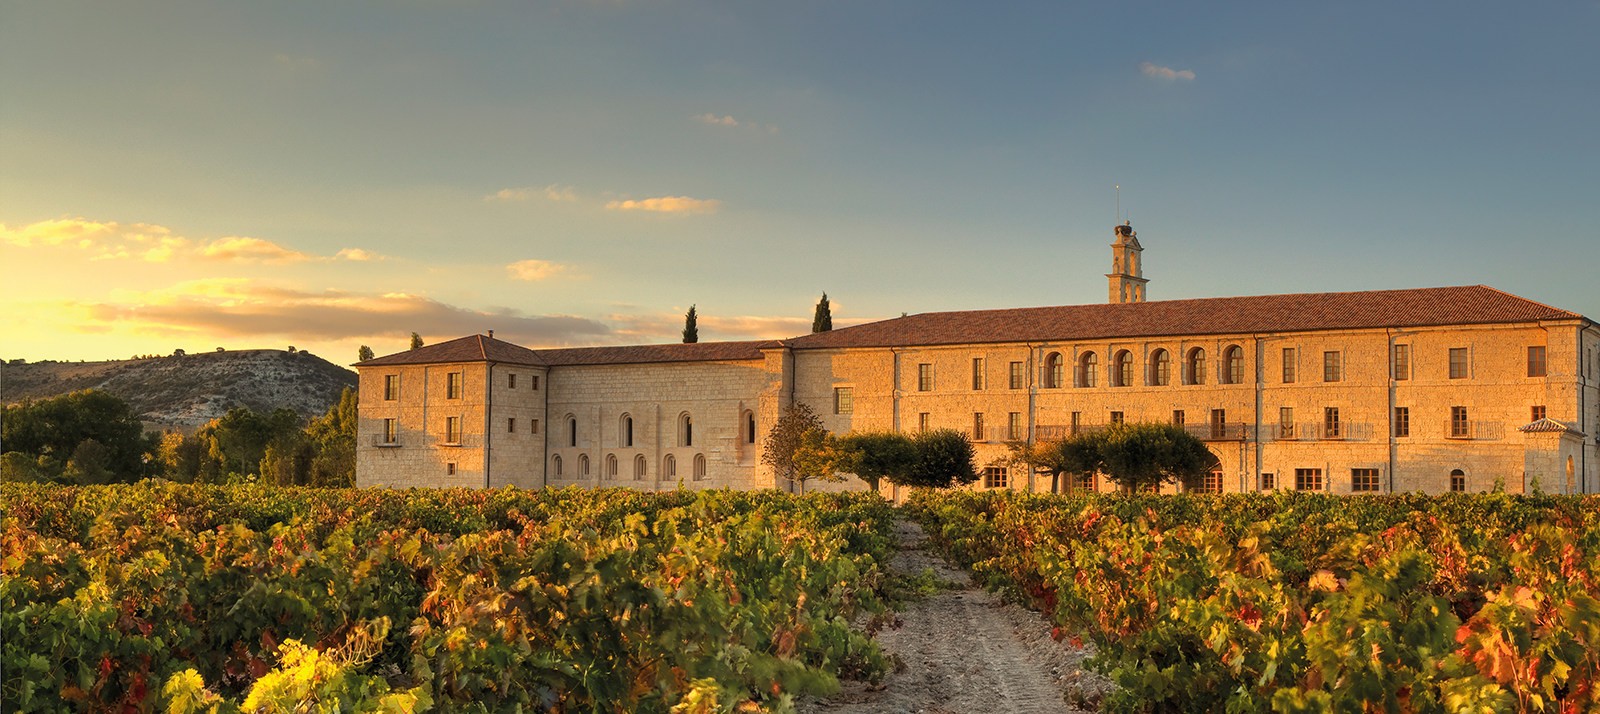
[
  {"x": 364, "y": 354},
  {"x": 691, "y": 332},
  {"x": 416, "y": 340},
  {"x": 822, "y": 321}
]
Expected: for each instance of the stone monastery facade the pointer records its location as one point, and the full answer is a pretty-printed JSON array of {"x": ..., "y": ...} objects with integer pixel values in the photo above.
[{"x": 1433, "y": 390}]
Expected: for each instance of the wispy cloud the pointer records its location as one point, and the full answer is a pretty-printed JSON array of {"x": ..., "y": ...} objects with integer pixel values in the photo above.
[
  {"x": 682, "y": 205},
  {"x": 111, "y": 240},
  {"x": 552, "y": 192},
  {"x": 535, "y": 270},
  {"x": 244, "y": 308},
  {"x": 728, "y": 121},
  {"x": 1167, "y": 73}
]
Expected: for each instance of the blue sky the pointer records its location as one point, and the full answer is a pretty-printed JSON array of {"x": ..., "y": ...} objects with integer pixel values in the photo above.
[{"x": 257, "y": 175}]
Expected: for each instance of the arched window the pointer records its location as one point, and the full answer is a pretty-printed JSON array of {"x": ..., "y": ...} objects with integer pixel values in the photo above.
[
  {"x": 638, "y": 467},
  {"x": 555, "y": 465},
  {"x": 669, "y": 466},
  {"x": 1160, "y": 368},
  {"x": 1088, "y": 369},
  {"x": 699, "y": 467},
  {"x": 1233, "y": 365},
  {"x": 1458, "y": 480},
  {"x": 1053, "y": 372},
  {"x": 625, "y": 430},
  {"x": 583, "y": 465},
  {"x": 572, "y": 431},
  {"x": 685, "y": 430},
  {"x": 1122, "y": 369},
  {"x": 749, "y": 427},
  {"x": 611, "y": 466},
  {"x": 1194, "y": 367}
]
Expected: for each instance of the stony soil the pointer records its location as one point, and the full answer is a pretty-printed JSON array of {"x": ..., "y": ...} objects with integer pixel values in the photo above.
[{"x": 963, "y": 649}]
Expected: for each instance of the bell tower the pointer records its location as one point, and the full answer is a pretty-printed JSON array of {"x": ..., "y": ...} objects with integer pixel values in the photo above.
[{"x": 1127, "y": 271}]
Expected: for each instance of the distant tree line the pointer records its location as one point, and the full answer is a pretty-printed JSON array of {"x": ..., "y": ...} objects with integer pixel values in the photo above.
[{"x": 92, "y": 437}]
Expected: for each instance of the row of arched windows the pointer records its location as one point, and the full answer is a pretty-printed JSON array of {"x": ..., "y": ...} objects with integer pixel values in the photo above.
[
  {"x": 669, "y": 467},
  {"x": 1158, "y": 373}
]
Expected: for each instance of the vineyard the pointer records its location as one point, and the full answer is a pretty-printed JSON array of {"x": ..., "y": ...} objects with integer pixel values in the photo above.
[
  {"x": 1296, "y": 602},
  {"x": 191, "y": 598}
]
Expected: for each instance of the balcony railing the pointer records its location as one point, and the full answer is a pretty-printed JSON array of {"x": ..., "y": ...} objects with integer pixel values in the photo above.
[
  {"x": 1477, "y": 430},
  {"x": 1212, "y": 431},
  {"x": 385, "y": 441},
  {"x": 460, "y": 440}
]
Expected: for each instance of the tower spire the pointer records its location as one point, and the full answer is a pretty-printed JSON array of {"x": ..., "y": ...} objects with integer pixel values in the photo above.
[{"x": 1127, "y": 281}]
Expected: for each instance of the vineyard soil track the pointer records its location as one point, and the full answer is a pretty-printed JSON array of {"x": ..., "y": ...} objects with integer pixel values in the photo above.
[{"x": 965, "y": 650}]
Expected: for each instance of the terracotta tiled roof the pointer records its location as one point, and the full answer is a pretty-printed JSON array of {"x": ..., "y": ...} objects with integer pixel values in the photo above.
[
  {"x": 472, "y": 348},
  {"x": 1423, "y": 307},
  {"x": 676, "y": 352},
  {"x": 1547, "y": 425}
]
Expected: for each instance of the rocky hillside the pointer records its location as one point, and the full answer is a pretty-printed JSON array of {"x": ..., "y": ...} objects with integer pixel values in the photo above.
[{"x": 186, "y": 392}]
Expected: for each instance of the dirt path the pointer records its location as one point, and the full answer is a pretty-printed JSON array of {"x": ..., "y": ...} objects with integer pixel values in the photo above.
[{"x": 965, "y": 650}]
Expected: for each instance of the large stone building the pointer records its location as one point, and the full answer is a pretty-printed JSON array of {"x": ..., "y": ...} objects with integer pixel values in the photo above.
[{"x": 1433, "y": 389}]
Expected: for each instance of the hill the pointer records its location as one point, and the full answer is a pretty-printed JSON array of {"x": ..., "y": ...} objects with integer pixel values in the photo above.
[{"x": 186, "y": 392}]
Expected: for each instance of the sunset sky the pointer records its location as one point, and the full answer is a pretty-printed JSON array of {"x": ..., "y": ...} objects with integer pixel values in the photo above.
[{"x": 325, "y": 175}]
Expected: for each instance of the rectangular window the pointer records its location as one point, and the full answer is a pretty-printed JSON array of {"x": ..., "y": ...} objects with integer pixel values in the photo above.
[
  {"x": 1538, "y": 412},
  {"x": 977, "y": 373},
  {"x": 1077, "y": 422},
  {"x": 995, "y": 477},
  {"x": 1458, "y": 363},
  {"x": 1536, "y": 363},
  {"x": 1219, "y": 423},
  {"x": 1363, "y": 480},
  {"x": 1402, "y": 421},
  {"x": 452, "y": 386},
  {"x": 922, "y": 422},
  {"x": 1014, "y": 426},
  {"x": 391, "y": 431},
  {"x": 535, "y": 385},
  {"x": 1211, "y": 482},
  {"x": 1177, "y": 417},
  {"x": 1116, "y": 417},
  {"x": 1402, "y": 362},
  {"x": 1332, "y": 369},
  {"x": 511, "y": 425},
  {"x": 452, "y": 430},
  {"x": 450, "y": 468},
  {"x": 1460, "y": 428},
  {"x": 1286, "y": 423},
  {"x": 1016, "y": 375},
  {"x": 1331, "y": 428},
  {"x": 1308, "y": 479},
  {"x": 1291, "y": 360},
  {"x": 511, "y": 381},
  {"x": 535, "y": 425},
  {"x": 391, "y": 387},
  {"x": 844, "y": 400},
  {"x": 1269, "y": 482},
  {"x": 925, "y": 377},
  {"x": 977, "y": 426}
]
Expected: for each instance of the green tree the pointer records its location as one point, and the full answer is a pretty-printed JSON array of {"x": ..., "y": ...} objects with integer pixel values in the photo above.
[
  {"x": 822, "y": 321},
  {"x": 54, "y": 428},
  {"x": 944, "y": 458},
  {"x": 332, "y": 438},
  {"x": 1136, "y": 456},
  {"x": 416, "y": 341},
  {"x": 691, "y": 330},
  {"x": 364, "y": 354},
  {"x": 90, "y": 465},
  {"x": 786, "y": 438},
  {"x": 17, "y": 467},
  {"x": 879, "y": 455},
  {"x": 819, "y": 458},
  {"x": 242, "y": 436}
]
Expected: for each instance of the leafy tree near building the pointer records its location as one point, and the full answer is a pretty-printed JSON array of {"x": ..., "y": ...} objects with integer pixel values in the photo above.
[
  {"x": 879, "y": 455},
  {"x": 822, "y": 321},
  {"x": 819, "y": 457},
  {"x": 364, "y": 354},
  {"x": 691, "y": 328},
  {"x": 787, "y": 437},
  {"x": 944, "y": 458},
  {"x": 1139, "y": 456}
]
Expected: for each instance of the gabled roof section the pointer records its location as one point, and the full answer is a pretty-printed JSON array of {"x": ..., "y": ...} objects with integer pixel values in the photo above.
[
  {"x": 1546, "y": 425},
  {"x": 1424, "y": 307},
  {"x": 472, "y": 348},
  {"x": 676, "y": 352}
]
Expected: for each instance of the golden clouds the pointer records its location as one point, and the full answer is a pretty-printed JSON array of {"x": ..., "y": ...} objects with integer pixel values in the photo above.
[
  {"x": 681, "y": 205},
  {"x": 111, "y": 240},
  {"x": 534, "y": 270}
]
